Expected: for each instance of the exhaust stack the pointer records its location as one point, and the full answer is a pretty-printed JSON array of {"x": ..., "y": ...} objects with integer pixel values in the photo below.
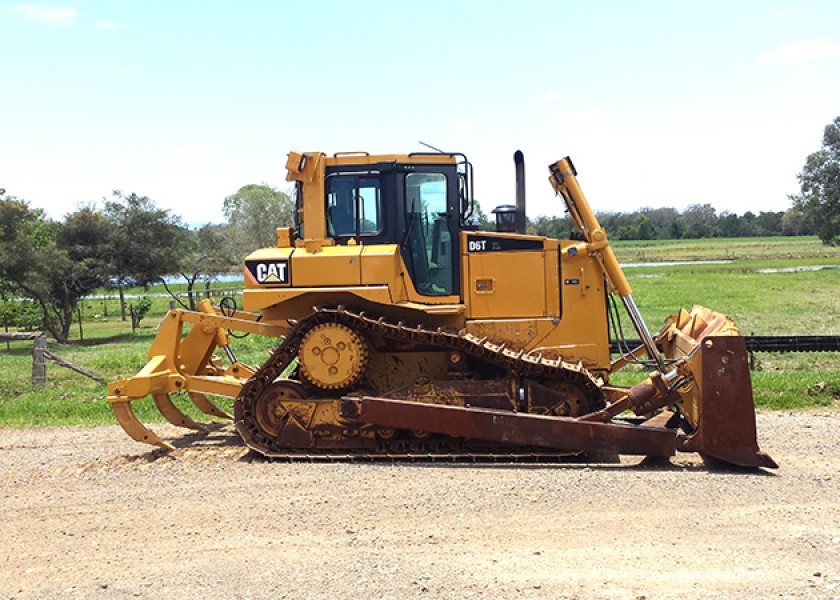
[{"x": 519, "y": 162}]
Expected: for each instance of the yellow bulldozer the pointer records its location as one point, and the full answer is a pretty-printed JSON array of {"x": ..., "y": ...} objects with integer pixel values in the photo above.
[{"x": 404, "y": 331}]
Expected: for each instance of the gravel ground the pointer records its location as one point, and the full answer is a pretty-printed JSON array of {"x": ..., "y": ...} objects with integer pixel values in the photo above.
[{"x": 87, "y": 512}]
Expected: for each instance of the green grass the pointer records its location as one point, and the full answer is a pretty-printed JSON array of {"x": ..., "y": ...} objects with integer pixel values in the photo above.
[
  {"x": 109, "y": 349},
  {"x": 804, "y": 303},
  {"x": 781, "y": 381},
  {"x": 809, "y": 247}
]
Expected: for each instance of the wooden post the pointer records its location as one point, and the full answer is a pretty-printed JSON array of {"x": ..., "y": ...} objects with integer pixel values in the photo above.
[
  {"x": 39, "y": 361},
  {"x": 66, "y": 363},
  {"x": 81, "y": 333}
]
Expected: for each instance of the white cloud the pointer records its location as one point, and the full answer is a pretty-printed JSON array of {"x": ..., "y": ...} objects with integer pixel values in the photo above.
[
  {"x": 185, "y": 151},
  {"x": 577, "y": 116},
  {"x": 549, "y": 97},
  {"x": 254, "y": 130},
  {"x": 107, "y": 25},
  {"x": 796, "y": 52},
  {"x": 463, "y": 124},
  {"x": 45, "y": 13}
]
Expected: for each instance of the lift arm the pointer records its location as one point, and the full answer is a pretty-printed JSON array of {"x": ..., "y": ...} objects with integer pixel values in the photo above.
[{"x": 563, "y": 179}]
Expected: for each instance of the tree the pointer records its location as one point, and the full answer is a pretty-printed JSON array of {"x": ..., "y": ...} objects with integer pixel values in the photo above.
[
  {"x": 646, "y": 228},
  {"x": 55, "y": 264},
  {"x": 552, "y": 227},
  {"x": 480, "y": 219},
  {"x": 796, "y": 222},
  {"x": 146, "y": 242},
  {"x": 820, "y": 187},
  {"x": 700, "y": 220},
  {"x": 208, "y": 253},
  {"x": 730, "y": 225},
  {"x": 769, "y": 223},
  {"x": 254, "y": 213},
  {"x": 662, "y": 217}
]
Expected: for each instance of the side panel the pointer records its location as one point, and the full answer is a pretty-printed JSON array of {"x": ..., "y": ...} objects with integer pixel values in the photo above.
[
  {"x": 583, "y": 303},
  {"x": 381, "y": 264},
  {"x": 542, "y": 300},
  {"x": 506, "y": 284},
  {"x": 333, "y": 266}
]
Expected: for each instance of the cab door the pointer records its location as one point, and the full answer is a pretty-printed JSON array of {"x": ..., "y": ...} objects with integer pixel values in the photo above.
[{"x": 429, "y": 214}]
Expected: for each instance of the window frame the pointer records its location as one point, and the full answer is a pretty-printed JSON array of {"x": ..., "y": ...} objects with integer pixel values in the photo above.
[{"x": 358, "y": 203}]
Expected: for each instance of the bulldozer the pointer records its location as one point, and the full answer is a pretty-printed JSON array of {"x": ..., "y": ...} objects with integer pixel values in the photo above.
[{"x": 405, "y": 331}]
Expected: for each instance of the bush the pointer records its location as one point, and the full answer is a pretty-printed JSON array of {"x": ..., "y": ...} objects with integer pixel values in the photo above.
[
  {"x": 20, "y": 314},
  {"x": 139, "y": 311}
]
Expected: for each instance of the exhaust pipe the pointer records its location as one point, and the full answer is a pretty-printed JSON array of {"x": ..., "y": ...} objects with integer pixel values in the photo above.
[{"x": 519, "y": 162}]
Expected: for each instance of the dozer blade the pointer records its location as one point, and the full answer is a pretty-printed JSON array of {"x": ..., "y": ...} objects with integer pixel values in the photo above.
[
  {"x": 718, "y": 400},
  {"x": 724, "y": 418},
  {"x": 134, "y": 428},
  {"x": 173, "y": 414},
  {"x": 206, "y": 406}
]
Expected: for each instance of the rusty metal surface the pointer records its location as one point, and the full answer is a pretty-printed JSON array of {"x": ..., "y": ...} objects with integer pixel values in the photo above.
[
  {"x": 499, "y": 394},
  {"x": 726, "y": 429},
  {"x": 513, "y": 428}
]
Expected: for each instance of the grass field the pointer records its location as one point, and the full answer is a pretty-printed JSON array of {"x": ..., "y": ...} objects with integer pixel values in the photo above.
[
  {"x": 766, "y": 248},
  {"x": 784, "y": 301}
]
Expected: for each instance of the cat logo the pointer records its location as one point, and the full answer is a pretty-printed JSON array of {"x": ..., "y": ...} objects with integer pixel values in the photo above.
[{"x": 269, "y": 271}]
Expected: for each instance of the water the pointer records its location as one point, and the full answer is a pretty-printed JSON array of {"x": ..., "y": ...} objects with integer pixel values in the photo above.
[
  {"x": 725, "y": 262},
  {"x": 678, "y": 263},
  {"x": 799, "y": 269}
]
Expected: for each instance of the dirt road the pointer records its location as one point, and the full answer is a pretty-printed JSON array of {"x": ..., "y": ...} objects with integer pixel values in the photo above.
[{"x": 89, "y": 513}]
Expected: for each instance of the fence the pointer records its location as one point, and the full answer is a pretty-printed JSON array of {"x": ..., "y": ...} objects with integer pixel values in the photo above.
[{"x": 40, "y": 356}]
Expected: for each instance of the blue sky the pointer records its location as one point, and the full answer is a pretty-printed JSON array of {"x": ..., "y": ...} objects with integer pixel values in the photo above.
[{"x": 658, "y": 103}]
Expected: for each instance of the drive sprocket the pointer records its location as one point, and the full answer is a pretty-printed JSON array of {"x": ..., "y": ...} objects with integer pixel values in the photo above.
[{"x": 332, "y": 356}]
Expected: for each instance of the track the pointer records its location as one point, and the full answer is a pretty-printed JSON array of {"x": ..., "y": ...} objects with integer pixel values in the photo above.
[
  {"x": 452, "y": 457},
  {"x": 248, "y": 407}
]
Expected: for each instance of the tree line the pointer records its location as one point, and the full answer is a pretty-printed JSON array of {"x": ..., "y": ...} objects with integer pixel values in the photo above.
[
  {"x": 122, "y": 241},
  {"x": 696, "y": 221}
]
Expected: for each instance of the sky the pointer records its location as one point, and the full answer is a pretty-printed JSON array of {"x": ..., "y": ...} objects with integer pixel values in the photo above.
[{"x": 658, "y": 103}]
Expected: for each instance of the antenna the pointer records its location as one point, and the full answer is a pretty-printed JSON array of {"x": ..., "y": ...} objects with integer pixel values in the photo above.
[{"x": 432, "y": 147}]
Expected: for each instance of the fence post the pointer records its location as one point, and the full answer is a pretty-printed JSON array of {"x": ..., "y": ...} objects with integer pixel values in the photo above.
[{"x": 39, "y": 361}]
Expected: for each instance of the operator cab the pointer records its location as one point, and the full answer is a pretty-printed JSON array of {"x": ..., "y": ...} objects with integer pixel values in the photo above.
[{"x": 418, "y": 202}]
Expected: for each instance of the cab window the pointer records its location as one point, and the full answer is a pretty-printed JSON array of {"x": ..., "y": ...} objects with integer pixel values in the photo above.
[{"x": 354, "y": 206}]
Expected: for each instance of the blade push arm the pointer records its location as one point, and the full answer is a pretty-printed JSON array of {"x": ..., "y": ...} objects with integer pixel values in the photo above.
[{"x": 564, "y": 181}]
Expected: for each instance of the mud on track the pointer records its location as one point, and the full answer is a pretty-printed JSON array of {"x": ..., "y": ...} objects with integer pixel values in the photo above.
[{"x": 89, "y": 513}]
